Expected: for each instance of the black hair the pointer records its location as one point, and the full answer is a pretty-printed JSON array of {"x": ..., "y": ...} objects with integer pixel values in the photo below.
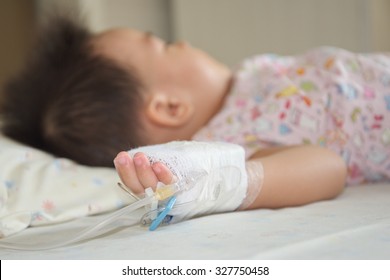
[{"x": 70, "y": 101}]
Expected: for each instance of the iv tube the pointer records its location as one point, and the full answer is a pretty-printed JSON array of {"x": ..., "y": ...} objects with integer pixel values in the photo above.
[{"x": 82, "y": 235}]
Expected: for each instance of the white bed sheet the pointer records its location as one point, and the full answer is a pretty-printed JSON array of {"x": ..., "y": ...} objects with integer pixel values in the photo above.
[{"x": 356, "y": 225}]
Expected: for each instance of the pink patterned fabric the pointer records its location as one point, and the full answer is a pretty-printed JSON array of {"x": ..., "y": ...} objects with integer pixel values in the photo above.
[{"x": 328, "y": 97}]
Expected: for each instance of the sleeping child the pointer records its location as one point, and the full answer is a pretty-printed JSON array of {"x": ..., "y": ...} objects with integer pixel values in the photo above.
[{"x": 301, "y": 127}]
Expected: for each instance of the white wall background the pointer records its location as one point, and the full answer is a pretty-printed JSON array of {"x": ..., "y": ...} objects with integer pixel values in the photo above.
[
  {"x": 234, "y": 29},
  {"x": 237, "y": 28}
]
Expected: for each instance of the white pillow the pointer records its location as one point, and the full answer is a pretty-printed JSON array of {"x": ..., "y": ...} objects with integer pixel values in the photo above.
[{"x": 37, "y": 188}]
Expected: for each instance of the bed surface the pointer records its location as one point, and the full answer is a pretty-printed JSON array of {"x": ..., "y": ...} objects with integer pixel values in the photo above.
[{"x": 356, "y": 225}]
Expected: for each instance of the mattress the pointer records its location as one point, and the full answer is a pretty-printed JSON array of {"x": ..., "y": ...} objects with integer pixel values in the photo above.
[{"x": 356, "y": 225}]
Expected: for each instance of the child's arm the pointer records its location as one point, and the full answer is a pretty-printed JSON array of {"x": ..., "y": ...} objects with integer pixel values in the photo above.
[
  {"x": 292, "y": 175},
  {"x": 298, "y": 175}
]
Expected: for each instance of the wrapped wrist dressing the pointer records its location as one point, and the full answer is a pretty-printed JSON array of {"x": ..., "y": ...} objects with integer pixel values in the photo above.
[
  {"x": 211, "y": 176},
  {"x": 255, "y": 173}
]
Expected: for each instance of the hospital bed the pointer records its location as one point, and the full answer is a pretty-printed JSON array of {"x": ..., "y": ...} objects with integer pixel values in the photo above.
[{"x": 356, "y": 225}]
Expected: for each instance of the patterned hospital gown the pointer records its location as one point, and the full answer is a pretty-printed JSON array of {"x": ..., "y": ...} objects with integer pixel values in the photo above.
[{"x": 328, "y": 96}]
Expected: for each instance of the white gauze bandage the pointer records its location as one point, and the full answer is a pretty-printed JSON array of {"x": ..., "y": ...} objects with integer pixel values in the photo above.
[{"x": 211, "y": 175}]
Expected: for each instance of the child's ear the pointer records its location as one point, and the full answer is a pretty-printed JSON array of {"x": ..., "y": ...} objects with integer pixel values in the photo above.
[{"x": 166, "y": 110}]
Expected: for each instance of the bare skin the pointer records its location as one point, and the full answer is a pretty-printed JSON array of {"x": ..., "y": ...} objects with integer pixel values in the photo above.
[{"x": 309, "y": 174}]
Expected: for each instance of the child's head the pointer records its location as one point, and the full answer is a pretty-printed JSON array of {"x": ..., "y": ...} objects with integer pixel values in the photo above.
[
  {"x": 87, "y": 97},
  {"x": 183, "y": 87}
]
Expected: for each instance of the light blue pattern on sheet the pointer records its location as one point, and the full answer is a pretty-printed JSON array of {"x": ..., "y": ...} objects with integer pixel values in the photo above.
[{"x": 49, "y": 189}]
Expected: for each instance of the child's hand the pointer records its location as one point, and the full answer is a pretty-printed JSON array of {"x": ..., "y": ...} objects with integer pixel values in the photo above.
[
  {"x": 211, "y": 176},
  {"x": 138, "y": 174}
]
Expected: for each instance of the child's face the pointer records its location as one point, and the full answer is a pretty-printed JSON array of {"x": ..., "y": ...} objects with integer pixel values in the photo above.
[{"x": 176, "y": 69}]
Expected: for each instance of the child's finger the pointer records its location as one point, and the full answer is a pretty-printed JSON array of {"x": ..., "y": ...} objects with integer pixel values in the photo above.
[
  {"x": 125, "y": 167},
  {"x": 163, "y": 173},
  {"x": 144, "y": 171}
]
